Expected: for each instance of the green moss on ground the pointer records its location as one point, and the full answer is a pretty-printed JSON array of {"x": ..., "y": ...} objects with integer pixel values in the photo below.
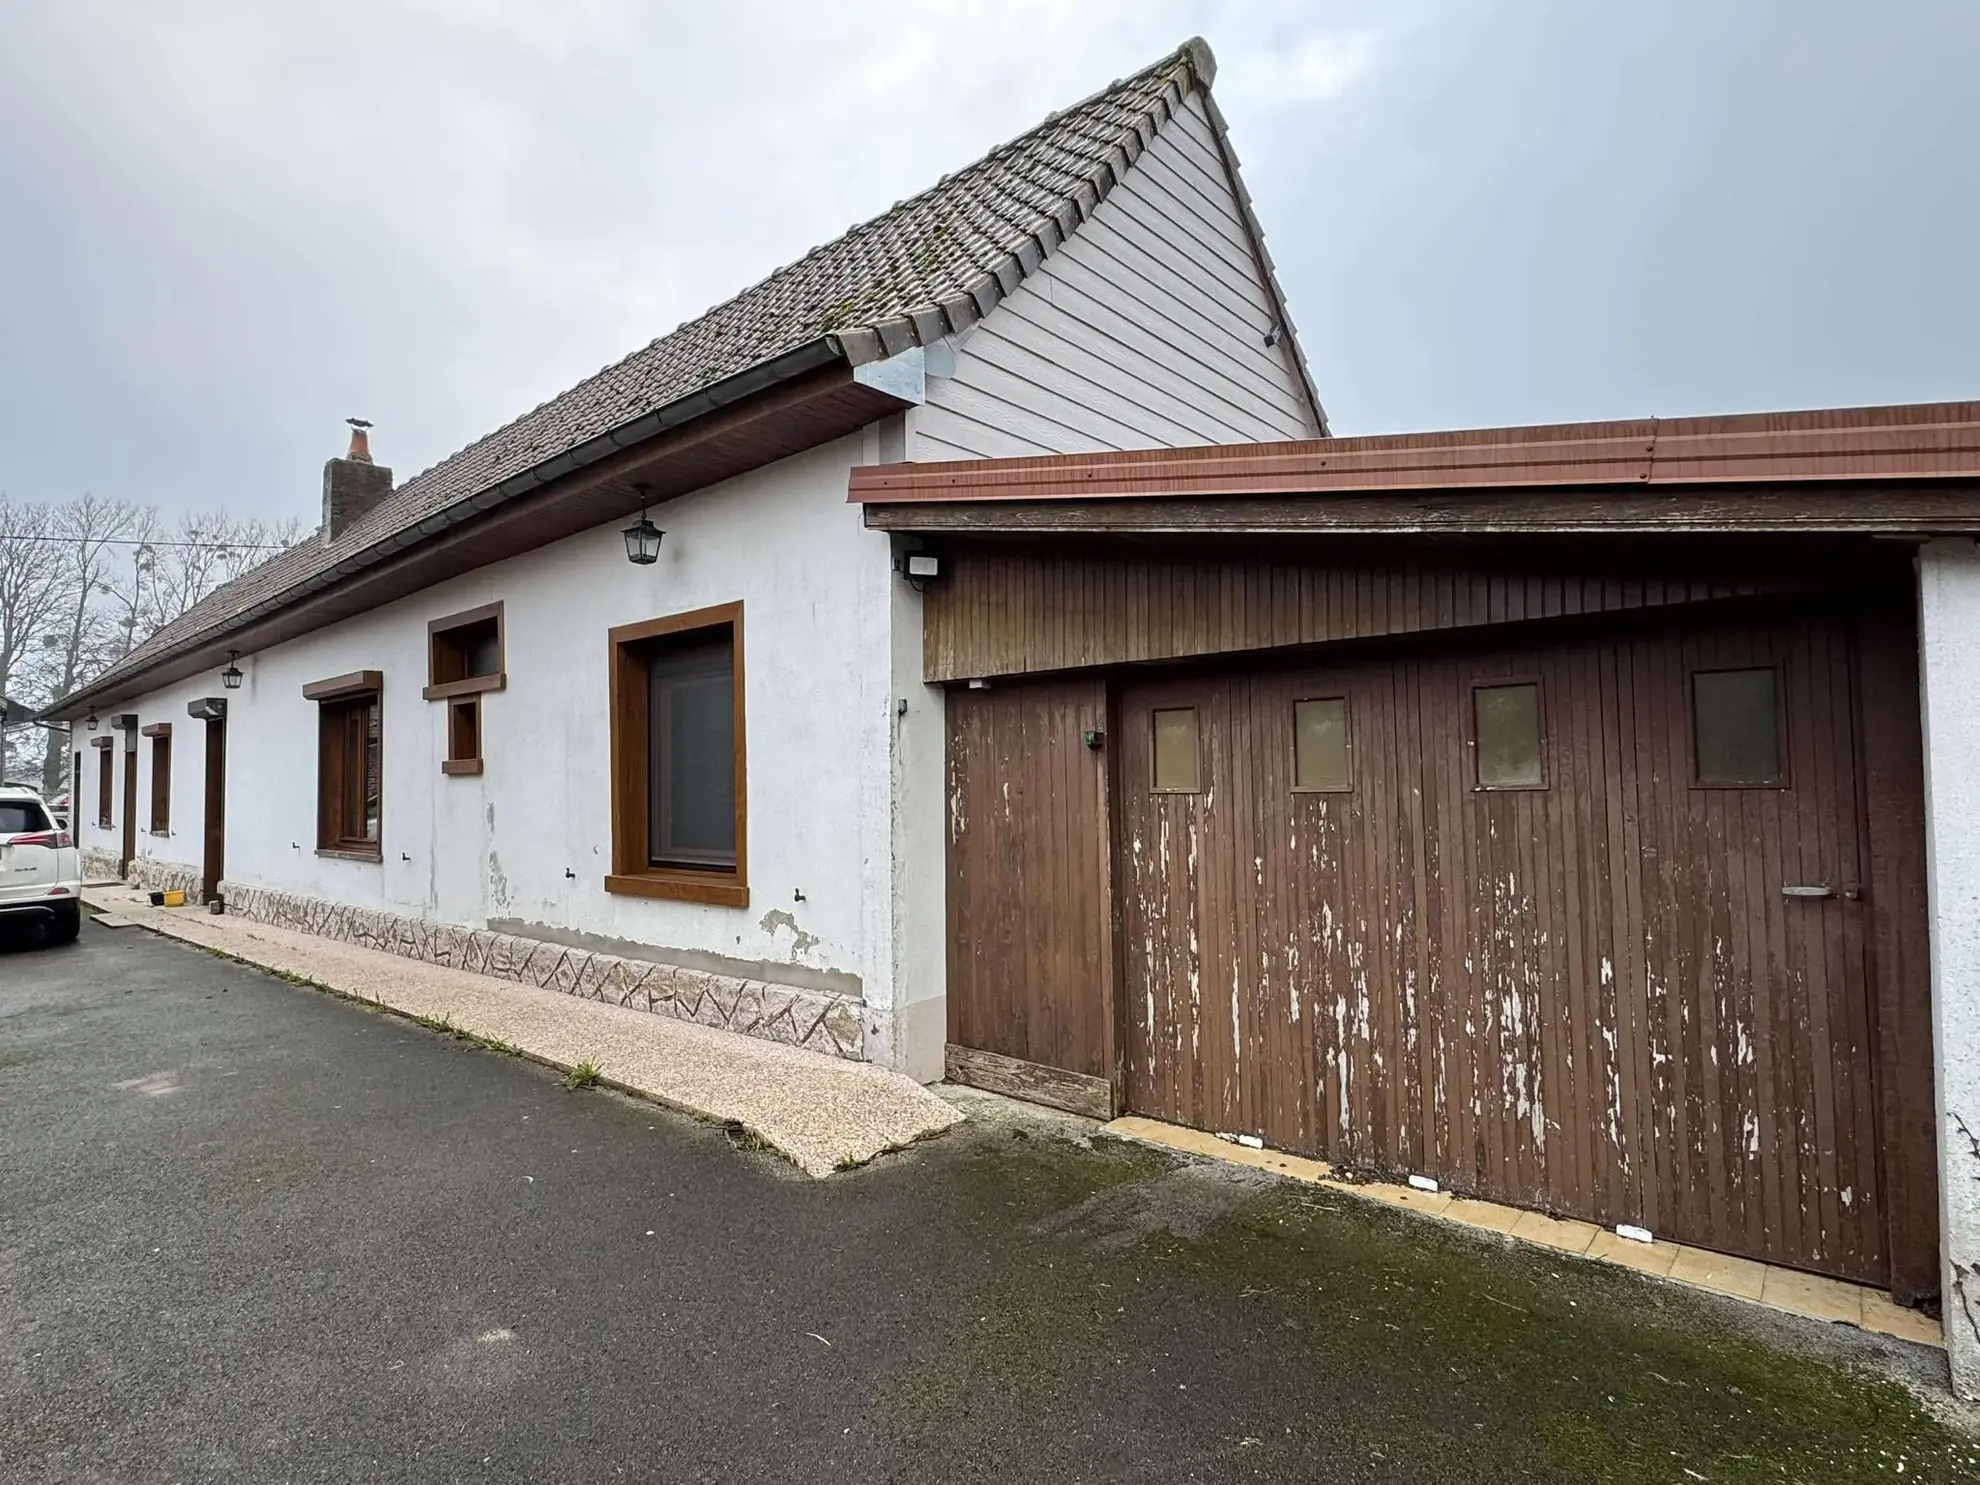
[{"x": 1326, "y": 1331}]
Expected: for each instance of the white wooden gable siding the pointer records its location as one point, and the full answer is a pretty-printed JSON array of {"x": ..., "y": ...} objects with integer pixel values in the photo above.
[{"x": 1146, "y": 329}]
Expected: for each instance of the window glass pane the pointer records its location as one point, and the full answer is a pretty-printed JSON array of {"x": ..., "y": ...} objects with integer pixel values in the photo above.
[
  {"x": 1508, "y": 719},
  {"x": 464, "y": 731},
  {"x": 161, "y": 783},
  {"x": 1320, "y": 744},
  {"x": 484, "y": 652},
  {"x": 693, "y": 755},
  {"x": 371, "y": 761},
  {"x": 18, "y": 817},
  {"x": 1736, "y": 724},
  {"x": 1175, "y": 749}
]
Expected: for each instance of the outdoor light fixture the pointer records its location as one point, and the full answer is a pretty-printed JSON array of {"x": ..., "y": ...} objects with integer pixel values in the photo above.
[
  {"x": 92, "y": 719},
  {"x": 643, "y": 540},
  {"x": 920, "y": 569},
  {"x": 231, "y": 676}
]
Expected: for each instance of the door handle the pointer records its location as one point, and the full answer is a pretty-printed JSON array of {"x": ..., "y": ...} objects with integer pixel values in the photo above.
[{"x": 1821, "y": 890}]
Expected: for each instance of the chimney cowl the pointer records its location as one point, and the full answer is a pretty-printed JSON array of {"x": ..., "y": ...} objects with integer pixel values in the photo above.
[{"x": 353, "y": 486}]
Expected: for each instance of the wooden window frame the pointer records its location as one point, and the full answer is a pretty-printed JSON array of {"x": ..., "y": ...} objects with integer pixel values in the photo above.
[
  {"x": 495, "y": 680},
  {"x": 1347, "y": 714},
  {"x": 1782, "y": 755},
  {"x": 160, "y": 734},
  {"x": 106, "y": 782},
  {"x": 1539, "y": 686},
  {"x": 1195, "y": 711},
  {"x": 338, "y": 692},
  {"x": 459, "y": 763},
  {"x": 633, "y": 873}
]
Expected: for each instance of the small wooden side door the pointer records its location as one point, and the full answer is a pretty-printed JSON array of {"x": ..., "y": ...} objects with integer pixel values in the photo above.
[
  {"x": 1030, "y": 961},
  {"x": 129, "y": 850},
  {"x": 214, "y": 857}
]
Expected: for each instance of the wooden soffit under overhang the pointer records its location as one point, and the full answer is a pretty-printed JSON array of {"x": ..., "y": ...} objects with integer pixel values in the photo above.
[
  {"x": 1896, "y": 470},
  {"x": 800, "y": 414}
]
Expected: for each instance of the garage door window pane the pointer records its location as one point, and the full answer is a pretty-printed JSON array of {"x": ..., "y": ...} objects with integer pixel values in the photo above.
[
  {"x": 1735, "y": 720},
  {"x": 1175, "y": 750},
  {"x": 1320, "y": 744},
  {"x": 1508, "y": 722}
]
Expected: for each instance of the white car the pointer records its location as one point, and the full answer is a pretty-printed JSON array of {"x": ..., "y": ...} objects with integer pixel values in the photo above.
[{"x": 40, "y": 867}]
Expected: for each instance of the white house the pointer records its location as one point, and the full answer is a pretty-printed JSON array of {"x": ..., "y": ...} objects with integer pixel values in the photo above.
[
  {"x": 1571, "y": 816},
  {"x": 459, "y": 721}
]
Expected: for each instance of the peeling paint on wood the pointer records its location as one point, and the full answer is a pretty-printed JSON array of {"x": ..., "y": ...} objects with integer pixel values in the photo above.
[{"x": 1589, "y": 997}]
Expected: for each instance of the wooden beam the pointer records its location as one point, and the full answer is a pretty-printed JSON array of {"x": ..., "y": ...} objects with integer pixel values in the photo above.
[
  {"x": 1917, "y": 512},
  {"x": 355, "y": 683},
  {"x": 1076, "y": 1093}
]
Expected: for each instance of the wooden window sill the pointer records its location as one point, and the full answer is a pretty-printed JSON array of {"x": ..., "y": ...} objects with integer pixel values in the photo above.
[
  {"x": 157, "y": 832},
  {"x": 470, "y": 686},
  {"x": 460, "y": 767},
  {"x": 333, "y": 853},
  {"x": 682, "y": 886}
]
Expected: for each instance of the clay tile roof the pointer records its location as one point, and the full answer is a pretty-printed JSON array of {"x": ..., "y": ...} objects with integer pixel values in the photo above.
[{"x": 932, "y": 264}]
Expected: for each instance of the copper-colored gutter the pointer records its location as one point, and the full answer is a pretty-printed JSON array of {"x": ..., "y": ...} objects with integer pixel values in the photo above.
[{"x": 1930, "y": 441}]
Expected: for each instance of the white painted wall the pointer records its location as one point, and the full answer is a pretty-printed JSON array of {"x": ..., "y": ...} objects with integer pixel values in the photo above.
[
  {"x": 184, "y": 842},
  {"x": 1146, "y": 329},
  {"x": 1949, "y": 641},
  {"x": 820, "y": 674}
]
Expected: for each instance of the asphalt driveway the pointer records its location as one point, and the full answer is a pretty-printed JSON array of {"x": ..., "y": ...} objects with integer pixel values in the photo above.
[{"x": 251, "y": 1232}]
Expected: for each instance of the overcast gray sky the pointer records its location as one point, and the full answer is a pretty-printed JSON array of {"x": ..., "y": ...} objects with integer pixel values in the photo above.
[{"x": 228, "y": 224}]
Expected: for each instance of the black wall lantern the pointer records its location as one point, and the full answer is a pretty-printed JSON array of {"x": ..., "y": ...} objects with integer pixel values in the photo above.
[
  {"x": 231, "y": 676},
  {"x": 643, "y": 540},
  {"x": 93, "y": 724}
]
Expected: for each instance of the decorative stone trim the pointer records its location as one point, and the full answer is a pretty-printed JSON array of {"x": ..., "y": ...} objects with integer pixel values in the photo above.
[
  {"x": 778, "y": 1013},
  {"x": 161, "y": 876},
  {"x": 100, "y": 866}
]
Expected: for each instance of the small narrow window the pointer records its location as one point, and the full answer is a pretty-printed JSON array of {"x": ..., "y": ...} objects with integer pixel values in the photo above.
[
  {"x": 463, "y": 736},
  {"x": 1507, "y": 722},
  {"x": 1320, "y": 745},
  {"x": 1735, "y": 723},
  {"x": 161, "y": 780},
  {"x": 106, "y": 784},
  {"x": 349, "y": 764},
  {"x": 466, "y": 653},
  {"x": 1176, "y": 751}
]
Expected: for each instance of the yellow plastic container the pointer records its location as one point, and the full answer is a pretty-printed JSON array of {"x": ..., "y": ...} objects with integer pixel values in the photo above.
[{"x": 175, "y": 899}]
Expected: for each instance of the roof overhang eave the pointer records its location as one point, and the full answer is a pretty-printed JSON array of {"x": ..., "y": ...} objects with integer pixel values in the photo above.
[{"x": 763, "y": 377}]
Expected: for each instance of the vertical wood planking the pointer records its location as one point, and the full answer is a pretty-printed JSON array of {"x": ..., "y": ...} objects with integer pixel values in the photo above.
[
  {"x": 1030, "y": 973},
  {"x": 1590, "y": 997}
]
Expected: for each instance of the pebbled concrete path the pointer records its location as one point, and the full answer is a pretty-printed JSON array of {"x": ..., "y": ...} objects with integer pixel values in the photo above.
[{"x": 822, "y": 1113}]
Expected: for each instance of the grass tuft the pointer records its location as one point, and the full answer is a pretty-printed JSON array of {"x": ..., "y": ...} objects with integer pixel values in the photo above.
[{"x": 584, "y": 1075}]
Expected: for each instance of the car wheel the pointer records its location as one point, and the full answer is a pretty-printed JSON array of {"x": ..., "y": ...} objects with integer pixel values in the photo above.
[{"x": 68, "y": 923}]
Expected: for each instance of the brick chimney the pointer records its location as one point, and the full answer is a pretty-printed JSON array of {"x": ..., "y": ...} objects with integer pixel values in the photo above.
[{"x": 352, "y": 486}]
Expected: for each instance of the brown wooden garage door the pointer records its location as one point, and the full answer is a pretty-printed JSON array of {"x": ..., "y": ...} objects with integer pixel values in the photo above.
[{"x": 1542, "y": 923}]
